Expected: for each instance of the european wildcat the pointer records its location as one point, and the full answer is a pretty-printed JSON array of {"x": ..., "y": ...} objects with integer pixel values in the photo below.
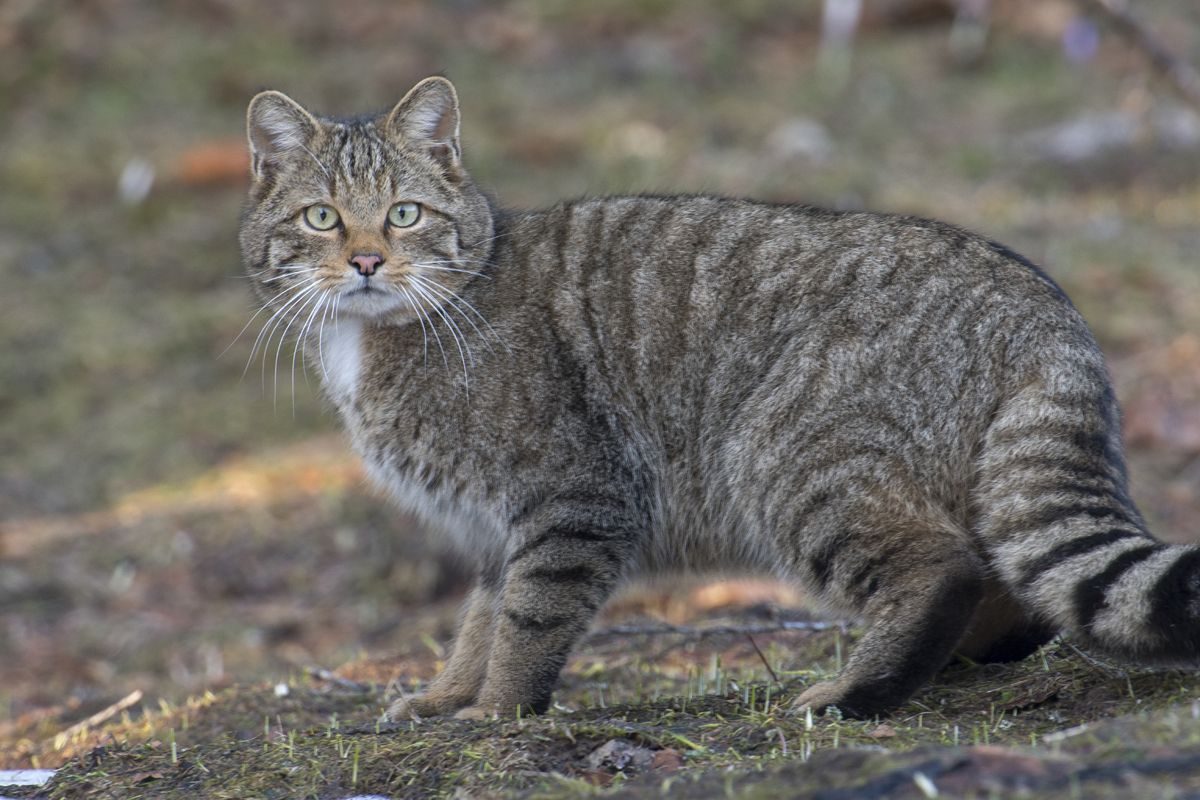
[{"x": 910, "y": 420}]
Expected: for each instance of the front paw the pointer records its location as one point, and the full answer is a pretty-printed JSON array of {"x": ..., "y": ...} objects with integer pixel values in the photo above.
[
  {"x": 416, "y": 706},
  {"x": 819, "y": 697},
  {"x": 476, "y": 713}
]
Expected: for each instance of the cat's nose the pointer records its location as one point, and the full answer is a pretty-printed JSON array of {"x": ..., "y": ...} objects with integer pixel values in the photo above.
[{"x": 366, "y": 263}]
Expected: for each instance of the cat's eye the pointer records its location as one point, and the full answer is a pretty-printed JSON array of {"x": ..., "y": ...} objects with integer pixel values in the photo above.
[
  {"x": 404, "y": 215},
  {"x": 321, "y": 217}
]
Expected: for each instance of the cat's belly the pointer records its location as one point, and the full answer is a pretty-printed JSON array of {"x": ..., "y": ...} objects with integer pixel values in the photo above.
[
  {"x": 475, "y": 532},
  {"x": 706, "y": 535}
]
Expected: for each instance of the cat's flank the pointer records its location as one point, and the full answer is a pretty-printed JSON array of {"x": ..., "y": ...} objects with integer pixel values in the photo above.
[{"x": 908, "y": 420}]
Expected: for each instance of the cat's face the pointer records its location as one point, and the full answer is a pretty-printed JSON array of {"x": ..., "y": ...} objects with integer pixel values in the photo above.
[{"x": 372, "y": 218}]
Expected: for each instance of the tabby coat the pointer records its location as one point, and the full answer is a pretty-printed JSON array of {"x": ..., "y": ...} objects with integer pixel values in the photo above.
[{"x": 908, "y": 420}]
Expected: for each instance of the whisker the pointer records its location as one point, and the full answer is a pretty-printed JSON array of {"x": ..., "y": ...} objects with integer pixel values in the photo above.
[
  {"x": 433, "y": 328},
  {"x": 450, "y": 298},
  {"x": 300, "y": 340},
  {"x": 273, "y": 325},
  {"x": 430, "y": 266},
  {"x": 290, "y": 273},
  {"x": 279, "y": 348},
  {"x": 456, "y": 301},
  {"x": 420, "y": 318},
  {"x": 321, "y": 339},
  {"x": 266, "y": 325},
  {"x": 319, "y": 164},
  {"x": 261, "y": 309},
  {"x": 473, "y": 245}
]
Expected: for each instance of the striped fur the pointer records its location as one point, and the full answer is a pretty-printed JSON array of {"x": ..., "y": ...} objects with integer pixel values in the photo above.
[{"x": 907, "y": 419}]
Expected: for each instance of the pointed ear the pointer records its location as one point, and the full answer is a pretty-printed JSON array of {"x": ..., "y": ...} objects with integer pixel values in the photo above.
[
  {"x": 428, "y": 117},
  {"x": 276, "y": 125}
]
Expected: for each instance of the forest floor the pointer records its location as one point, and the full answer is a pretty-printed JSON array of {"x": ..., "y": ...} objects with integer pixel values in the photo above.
[{"x": 198, "y": 596}]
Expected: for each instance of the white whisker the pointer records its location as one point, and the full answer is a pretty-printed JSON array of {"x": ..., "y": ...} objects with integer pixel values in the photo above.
[
  {"x": 261, "y": 309},
  {"x": 321, "y": 339},
  {"x": 267, "y": 325},
  {"x": 430, "y": 266},
  {"x": 433, "y": 328},
  {"x": 319, "y": 164},
  {"x": 290, "y": 273},
  {"x": 420, "y": 318},
  {"x": 300, "y": 341},
  {"x": 279, "y": 347},
  {"x": 457, "y": 301}
]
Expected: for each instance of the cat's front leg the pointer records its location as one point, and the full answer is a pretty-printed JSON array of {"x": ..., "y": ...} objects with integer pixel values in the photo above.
[
  {"x": 457, "y": 685},
  {"x": 553, "y": 585}
]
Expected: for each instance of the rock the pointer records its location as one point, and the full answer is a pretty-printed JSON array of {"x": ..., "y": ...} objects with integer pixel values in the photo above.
[{"x": 618, "y": 755}]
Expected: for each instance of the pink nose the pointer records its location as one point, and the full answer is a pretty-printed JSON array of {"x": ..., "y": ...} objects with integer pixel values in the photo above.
[{"x": 366, "y": 263}]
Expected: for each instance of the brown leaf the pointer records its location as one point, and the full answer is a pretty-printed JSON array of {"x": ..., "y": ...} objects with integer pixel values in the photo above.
[
  {"x": 883, "y": 731},
  {"x": 226, "y": 161},
  {"x": 667, "y": 760}
]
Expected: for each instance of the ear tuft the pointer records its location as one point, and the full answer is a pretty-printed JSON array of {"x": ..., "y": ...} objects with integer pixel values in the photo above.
[
  {"x": 276, "y": 125},
  {"x": 428, "y": 117}
]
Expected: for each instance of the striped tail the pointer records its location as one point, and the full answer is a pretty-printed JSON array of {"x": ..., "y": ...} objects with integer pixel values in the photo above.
[{"x": 1057, "y": 520}]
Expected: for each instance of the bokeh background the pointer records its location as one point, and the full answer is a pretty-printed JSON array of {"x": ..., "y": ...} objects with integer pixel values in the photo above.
[{"x": 170, "y": 525}]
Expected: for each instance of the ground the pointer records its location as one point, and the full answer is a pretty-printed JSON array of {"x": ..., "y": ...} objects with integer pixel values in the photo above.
[{"x": 178, "y": 541}]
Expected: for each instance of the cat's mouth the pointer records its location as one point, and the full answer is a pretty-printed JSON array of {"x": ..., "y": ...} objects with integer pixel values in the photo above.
[{"x": 367, "y": 298}]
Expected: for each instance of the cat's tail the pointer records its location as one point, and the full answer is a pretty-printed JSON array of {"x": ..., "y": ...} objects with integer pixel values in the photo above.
[{"x": 1060, "y": 528}]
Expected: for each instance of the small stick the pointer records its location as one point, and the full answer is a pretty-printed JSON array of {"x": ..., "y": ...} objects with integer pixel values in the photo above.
[
  {"x": 321, "y": 674},
  {"x": 61, "y": 739},
  {"x": 712, "y": 630},
  {"x": 774, "y": 677}
]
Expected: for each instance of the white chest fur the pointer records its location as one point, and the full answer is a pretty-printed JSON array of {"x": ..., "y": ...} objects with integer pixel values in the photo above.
[{"x": 341, "y": 359}]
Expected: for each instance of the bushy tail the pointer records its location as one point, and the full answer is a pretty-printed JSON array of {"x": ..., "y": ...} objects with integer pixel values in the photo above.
[{"x": 1061, "y": 529}]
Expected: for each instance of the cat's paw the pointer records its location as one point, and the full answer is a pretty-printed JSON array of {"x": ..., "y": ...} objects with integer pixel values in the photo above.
[
  {"x": 819, "y": 697},
  {"x": 414, "y": 707},
  {"x": 476, "y": 713}
]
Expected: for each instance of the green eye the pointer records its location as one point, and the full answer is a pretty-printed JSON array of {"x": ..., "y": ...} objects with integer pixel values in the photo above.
[
  {"x": 404, "y": 215},
  {"x": 321, "y": 217}
]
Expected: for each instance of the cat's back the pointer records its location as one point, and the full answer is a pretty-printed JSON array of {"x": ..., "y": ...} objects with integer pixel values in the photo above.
[{"x": 683, "y": 293}]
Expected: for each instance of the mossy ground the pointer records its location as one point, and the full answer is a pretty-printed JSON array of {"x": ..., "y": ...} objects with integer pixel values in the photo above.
[{"x": 695, "y": 714}]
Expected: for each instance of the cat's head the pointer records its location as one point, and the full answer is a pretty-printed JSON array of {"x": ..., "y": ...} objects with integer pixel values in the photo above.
[{"x": 372, "y": 217}]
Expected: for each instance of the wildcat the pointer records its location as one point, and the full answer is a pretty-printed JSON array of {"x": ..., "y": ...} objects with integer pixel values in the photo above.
[{"x": 907, "y": 419}]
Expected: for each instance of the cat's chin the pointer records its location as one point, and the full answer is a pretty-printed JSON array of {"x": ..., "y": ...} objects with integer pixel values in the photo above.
[{"x": 372, "y": 304}]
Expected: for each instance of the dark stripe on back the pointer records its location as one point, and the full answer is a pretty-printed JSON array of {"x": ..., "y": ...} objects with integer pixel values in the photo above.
[
  {"x": 1090, "y": 593},
  {"x": 1032, "y": 570}
]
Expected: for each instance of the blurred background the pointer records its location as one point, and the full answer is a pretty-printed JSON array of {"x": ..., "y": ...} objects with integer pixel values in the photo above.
[{"x": 169, "y": 525}]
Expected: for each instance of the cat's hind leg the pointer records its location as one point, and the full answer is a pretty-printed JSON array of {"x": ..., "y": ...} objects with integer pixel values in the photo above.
[
  {"x": 918, "y": 584},
  {"x": 1002, "y": 630}
]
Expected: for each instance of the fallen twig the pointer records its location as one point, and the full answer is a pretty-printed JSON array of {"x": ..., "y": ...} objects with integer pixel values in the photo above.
[
  {"x": 324, "y": 675},
  {"x": 1182, "y": 76},
  {"x": 701, "y": 632},
  {"x": 133, "y": 698},
  {"x": 766, "y": 664}
]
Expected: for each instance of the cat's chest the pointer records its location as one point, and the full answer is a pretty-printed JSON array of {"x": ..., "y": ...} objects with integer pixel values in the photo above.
[
  {"x": 341, "y": 361},
  {"x": 398, "y": 435}
]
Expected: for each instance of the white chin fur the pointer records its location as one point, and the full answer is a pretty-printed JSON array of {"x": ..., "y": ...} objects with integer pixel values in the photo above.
[{"x": 370, "y": 304}]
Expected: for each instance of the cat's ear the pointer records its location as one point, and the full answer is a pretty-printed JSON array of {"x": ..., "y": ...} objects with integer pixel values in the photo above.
[
  {"x": 428, "y": 117},
  {"x": 276, "y": 125}
]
